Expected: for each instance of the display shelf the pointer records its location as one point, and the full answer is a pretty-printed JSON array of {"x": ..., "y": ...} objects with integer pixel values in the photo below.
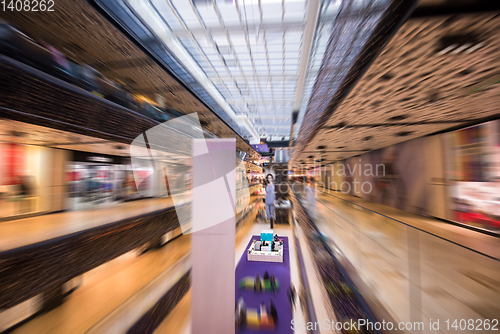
[{"x": 264, "y": 256}]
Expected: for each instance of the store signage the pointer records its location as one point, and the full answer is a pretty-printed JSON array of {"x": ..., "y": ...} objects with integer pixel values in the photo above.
[
  {"x": 94, "y": 157},
  {"x": 99, "y": 159}
]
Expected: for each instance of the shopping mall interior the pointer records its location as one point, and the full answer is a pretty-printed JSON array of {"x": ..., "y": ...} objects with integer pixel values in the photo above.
[{"x": 249, "y": 166}]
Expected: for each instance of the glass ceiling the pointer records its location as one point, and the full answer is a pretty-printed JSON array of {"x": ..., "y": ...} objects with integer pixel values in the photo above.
[
  {"x": 243, "y": 58},
  {"x": 250, "y": 52}
]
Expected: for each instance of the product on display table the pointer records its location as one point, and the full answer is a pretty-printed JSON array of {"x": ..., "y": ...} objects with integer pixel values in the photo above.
[
  {"x": 248, "y": 283},
  {"x": 268, "y": 249},
  {"x": 264, "y": 321},
  {"x": 266, "y": 235},
  {"x": 256, "y": 319}
]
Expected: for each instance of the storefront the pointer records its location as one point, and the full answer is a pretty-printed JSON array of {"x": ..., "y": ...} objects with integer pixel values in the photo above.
[
  {"x": 29, "y": 182},
  {"x": 98, "y": 179},
  {"x": 473, "y": 169}
]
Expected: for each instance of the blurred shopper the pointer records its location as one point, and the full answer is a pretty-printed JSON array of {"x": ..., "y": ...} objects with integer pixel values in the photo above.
[
  {"x": 24, "y": 193},
  {"x": 241, "y": 313},
  {"x": 391, "y": 184},
  {"x": 89, "y": 76},
  {"x": 272, "y": 280},
  {"x": 311, "y": 198},
  {"x": 270, "y": 198},
  {"x": 258, "y": 285},
  {"x": 291, "y": 295},
  {"x": 29, "y": 192},
  {"x": 273, "y": 312},
  {"x": 20, "y": 194},
  {"x": 58, "y": 56}
]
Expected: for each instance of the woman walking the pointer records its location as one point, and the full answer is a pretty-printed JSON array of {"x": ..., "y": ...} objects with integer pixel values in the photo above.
[{"x": 270, "y": 197}]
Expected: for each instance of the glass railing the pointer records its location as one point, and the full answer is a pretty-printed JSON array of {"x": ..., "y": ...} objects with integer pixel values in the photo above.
[
  {"x": 121, "y": 319},
  {"x": 408, "y": 275}
]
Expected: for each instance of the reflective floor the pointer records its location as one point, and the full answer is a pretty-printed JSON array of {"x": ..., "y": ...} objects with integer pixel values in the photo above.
[{"x": 26, "y": 231}]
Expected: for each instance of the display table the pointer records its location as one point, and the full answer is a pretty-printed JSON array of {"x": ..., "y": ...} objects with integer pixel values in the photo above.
[{"x": 264, "y": 256}]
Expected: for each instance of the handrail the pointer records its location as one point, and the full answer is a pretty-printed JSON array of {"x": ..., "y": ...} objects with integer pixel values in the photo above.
[
  {"x": 93, "y": 122},
  {"x": 360, "y": 299},
  {"x": 417, "y": 228},
  {"x": 59, "y": 260},
  {"x": 131, "y": 310},
  {"x": 310, "y": 308}
]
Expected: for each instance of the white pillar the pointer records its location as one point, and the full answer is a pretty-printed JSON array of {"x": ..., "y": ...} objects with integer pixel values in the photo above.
[{"x": 213, "y": 236}]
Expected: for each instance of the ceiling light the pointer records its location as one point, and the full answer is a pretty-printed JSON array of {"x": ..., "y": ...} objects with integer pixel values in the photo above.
[
  {"x": 447, "y": 49},
  {"x": 457, "y": 42},
  {"x": 461, "y": 48},
  {"x": 474, "y": 47}
]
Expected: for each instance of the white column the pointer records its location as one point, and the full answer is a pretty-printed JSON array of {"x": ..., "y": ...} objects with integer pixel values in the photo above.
[{"x": 213, "y": 236}]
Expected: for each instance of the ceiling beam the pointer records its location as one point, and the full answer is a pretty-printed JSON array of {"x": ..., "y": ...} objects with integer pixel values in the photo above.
[
  {"x": 289, "y": 77},
  {"x": 313, "y": 8},
  {"x": 279, "y": 117},
  {"x": 272, "y": 126},
  {"x": 376, "y": 125},
  {"x": 236, "y": 28}
]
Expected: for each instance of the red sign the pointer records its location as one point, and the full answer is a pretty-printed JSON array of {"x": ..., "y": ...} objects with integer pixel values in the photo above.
[{"x": 13, "y": 162}]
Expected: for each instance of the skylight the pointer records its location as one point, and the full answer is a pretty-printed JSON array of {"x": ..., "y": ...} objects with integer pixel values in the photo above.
[{"x": 249, "y": 50}]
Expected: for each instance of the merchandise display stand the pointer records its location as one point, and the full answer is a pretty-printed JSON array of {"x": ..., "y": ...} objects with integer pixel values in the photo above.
[{"x": 266, "y": 253}]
